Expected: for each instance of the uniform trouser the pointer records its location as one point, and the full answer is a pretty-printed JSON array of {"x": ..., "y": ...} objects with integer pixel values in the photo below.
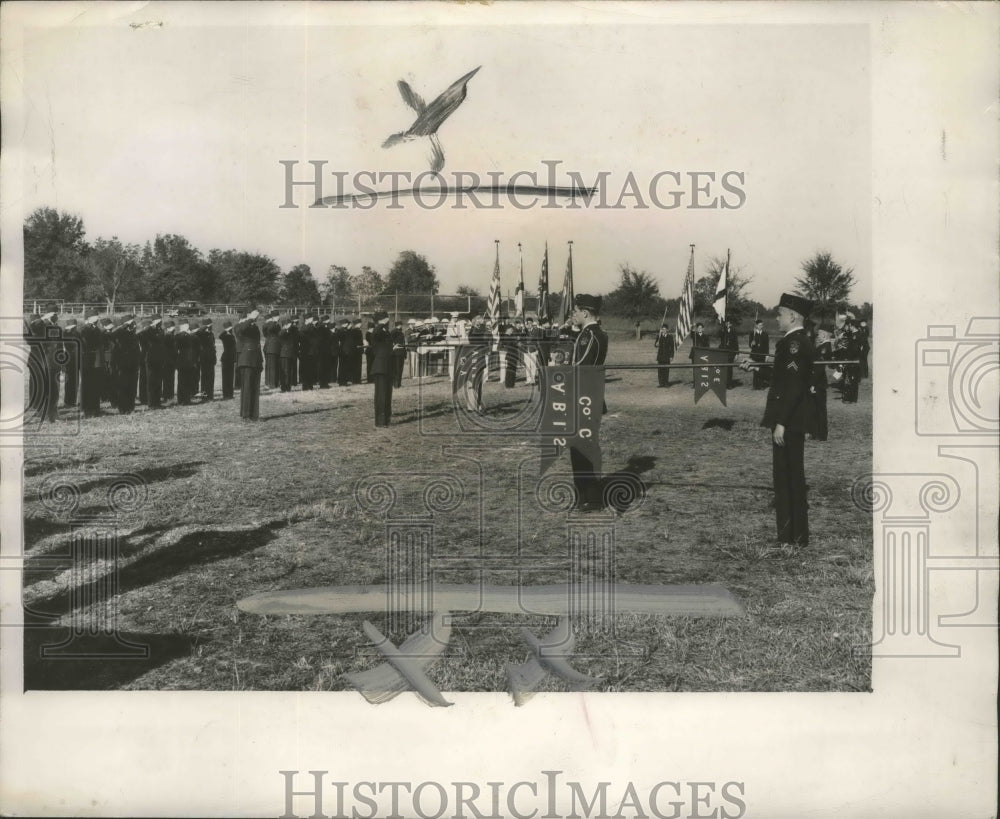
[
  {"x": 43, "y": 391},
  {"x": 663, "y": 374},
  {"x": 368, "y": 369},
  {"x": 307, "y": 371},
  {"x": 344, "y": 370},
  {"x": 71, "y": 383},
  {"x": 730, "y": 381},
  {"x": 284, "y": 373},
  {"x": 187, "y": 383},
  {"x": 169, "y": 381},
  {"x": 759, "y": 373},
  {"x": 398, "y": 363},
  {"x": 383, "y": 399},
  {"x": 323, "y": 370},
  {"x": 208, "y": 379},
  {"x": 849, "y": 392},
  {"x": 587, "y": 473},
  {"x": 91, "y": 386},
  {"x": 250, "y": 392},
  {"x": 228, "y": 374},
  {"x": 154, "y": 384},
  {"x": 791, "y": 508},
  {"x": 510, "y": 369},
  {"x": 334, "y": 369},
  {"x": 143, "y": 388},
  {"x": 531, "y": 366},
  {"x": 271, "y": 370},
  {"x": 355, "y": 374},
  {"x": 126, "y": 386}
]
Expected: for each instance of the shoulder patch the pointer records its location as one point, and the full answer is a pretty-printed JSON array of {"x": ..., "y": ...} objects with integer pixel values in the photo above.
[{"x": 793, "y": 348}]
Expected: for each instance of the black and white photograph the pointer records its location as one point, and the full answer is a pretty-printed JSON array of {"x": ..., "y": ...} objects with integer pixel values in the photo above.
[{"x": 504, "y": 410}]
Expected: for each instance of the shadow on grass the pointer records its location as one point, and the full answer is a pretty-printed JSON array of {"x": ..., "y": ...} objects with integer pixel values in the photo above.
[
  {"x": 191, "y": 551},
  {"x": 154, "y": 474},
  {"x": 719, "y": 423},
  {"x": 40, "y": 466},
  {"x": 265, "y": 418},
  {"x": 99, "y": 669}
]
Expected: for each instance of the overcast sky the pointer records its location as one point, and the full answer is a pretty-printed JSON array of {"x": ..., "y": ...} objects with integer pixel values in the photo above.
[{"x": 180, "y": 128}]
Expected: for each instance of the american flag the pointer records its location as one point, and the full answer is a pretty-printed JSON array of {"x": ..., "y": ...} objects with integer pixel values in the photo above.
[
  {"x": 493, "y": 305},
  {"x": 543, "y": 288},
  {"x": 519, "y": 292},
  {"x": 685, "y": 313}
]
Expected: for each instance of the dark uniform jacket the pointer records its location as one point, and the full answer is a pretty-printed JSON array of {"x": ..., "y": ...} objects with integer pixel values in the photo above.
[
  {"x": 206, "y": 345},
  {"x": 188, "y": 351},
  {"x": 248, "y": 352},
  {"x": 788, "y": 401},
  {"x": 591, "y": 346},
  {"x": 288, "y": 342},
  {"x": 154, "y": 345},
  {"x": 272, "y": 345},
  {"x": 760, "y": 345},
  {"x": 698, "y": 341},
  {"x": 664, "y": 348},
  {"x": 729, "y": 340},
  {"x": 126, "y": 347},
  {"x": 380, "y": 347},
  {"x": 93, "y": 353},
  {"x": 228, "y": 345}
]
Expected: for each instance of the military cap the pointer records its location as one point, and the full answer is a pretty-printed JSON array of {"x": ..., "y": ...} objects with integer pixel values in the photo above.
[
  {"x": 168, "y": 324},
  {"x": 70, "y": 323},
  {"x": 107, "y": 321},
  {"x": 145, "y": 322},
  {"x": 800, "y": 305},
  {"x": 184, "y": 326},
  {"x": 380, "y": 315},
  {"x": 92, "y": 317},
  {"x": 412, "y": 321},
  {"x": 273, "y": 314},
  {"x": 584, "y": 301},
  {"x": 226, "y": 324}
]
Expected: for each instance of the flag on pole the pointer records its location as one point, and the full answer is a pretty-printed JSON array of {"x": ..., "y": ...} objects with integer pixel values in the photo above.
[
  {"x": 519, "y": 291},
  {"x": 566, "y": 298},
  {"x": 493, "y": 304},
  {"x": 685, "y": 311},
  {"x": 719, "y": 302},
  {"x": 543, "y": 287}
]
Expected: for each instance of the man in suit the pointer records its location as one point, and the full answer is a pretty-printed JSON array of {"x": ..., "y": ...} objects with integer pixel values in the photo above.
[
  {"x": 169, "y": 359},
  {"x": 381, "y": 367},
  {"x": 187, "y": 363},
  {"x": 71, "y": 370},
  {"x": 355, "y": 343},
  {"x": 398, "y": 355},
  {"x": 206, "y": 358},
  {"x": 789, "y": 415},
  {"x": 287, "y": 350},
  {"x": 128, "y": 358},
  {"x": 664, "y": 344},
  {"x": 345, "y": 362},
  {"x": 44, "y": 357},
  {"x": 272, "y": 349},
  {"x": 336, "y": 339},
  {"x": 590, "y": 348},
  {"x": 153, "y": 343},
  {"x": 93, "y": 366},
  {"x": 228, "y": 359},
  {"x": 730, "y": 341},
  {"x": 323, "y": 338},
  {"x": 249, "y": 363},
  {"x": 699, "y": 341},
  {"x": 108, "y": 384},
  {"x": 308, "y": 353},
  {"x": 760, "y": 346}
]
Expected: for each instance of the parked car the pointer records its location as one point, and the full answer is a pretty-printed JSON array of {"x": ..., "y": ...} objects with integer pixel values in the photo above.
[{"x": 191, "y": 308}]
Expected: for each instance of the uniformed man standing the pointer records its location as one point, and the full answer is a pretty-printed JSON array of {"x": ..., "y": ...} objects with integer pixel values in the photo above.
[
  {"x": 169, "y": 359},
  {"x": 44, "y": 356},
  {"x": 206, "y": 358},
  {"x": 664, "y": 344},
  {"x": 760, "y": 347},
  {"x": 345, "y": 362},
  {"x": 127, "y": 359},
  {"x": 287, "y": 350},
  {"x": 153, "y": 343},
  {"x": 590, "y": 348},
  {"x": 699, "y": 341},
  {"x": 249, "y": 363},
  {"x": 355, "y": 342},
  {"x": 788, "y": 414},
  {"x": 92, "y": 366},
  {"x": 323, "y": 336},
  {"x": 730, "y": 341},
  {"x": 381, "y": 367},
  {"x": 228, "y": 359},
  {"x": 398, "y": 355},
  {"x": 108, "y": 385},
  {"x": 272, "y": 349},
  {"x": 308, "y": 353},
  {"x": 187, "y": 364},
  {"x": 71, "y": 370}
]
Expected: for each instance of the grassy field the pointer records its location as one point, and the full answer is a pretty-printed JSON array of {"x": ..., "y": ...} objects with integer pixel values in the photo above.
[{"x": 238, "y": 508}]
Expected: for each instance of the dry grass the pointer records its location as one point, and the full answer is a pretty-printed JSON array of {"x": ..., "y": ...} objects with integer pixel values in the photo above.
[{"x": 236, "y": 508}]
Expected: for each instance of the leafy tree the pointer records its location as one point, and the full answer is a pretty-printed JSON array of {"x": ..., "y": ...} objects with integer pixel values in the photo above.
[
  {"x": 337, "y": 287},
  {"x": 737, "y": 305},
  {"x": 826, "y": 283},
  {"x": 247, "y": 278},
  {"x": 299, "y": 286},
  {"x": 366, "y": 284},
  {"x": 177, "y": 271},
  {"x": 113, "y": 270},
  {"x": 411, "y": 273},
  {"x": 467, "y": 290},
  {"x": 637, "y": 295},
  {"x": 54, "y": 250}
]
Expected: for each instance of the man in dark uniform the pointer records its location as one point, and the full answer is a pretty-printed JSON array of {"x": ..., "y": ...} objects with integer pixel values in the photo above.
[
  {"x": 272, "y": 349},
  {"x": 760, "y": 346},
  {"x": 287, "y": 350},
  {"x": 127, "y": 359},
  {"x": 381, "y": 367},
  {"x": 590, "y": 348},
  {"x": 92, "y": 366},
  {"x": 729, "y": 340},
  {"x": 847, "y": 348},
  {"x": 336, "y": 339},
  {"x": 308, "y": 353},
  {"x": 108, "y": 384},
  {"x": 169, "y": 359},
  {"x": 344, "y": 362},
  {"x": 44, "y": 356},
  {"x": 206, "y": 359},
  {"x": 368, "y": 353},
  {"x": 71, "y": 370},
  {"x": 509, "y": 344},
  {"x": 323, "y": 336},
  {"x": 664, "y": 344},
  {"x": 153, "y": 343},
  {"x": 788, "y": 414},
  {"x": 249, "y": 363},
  {"x": 699, "y": 341},
  {"x": 228, "y": 359},
  {"x": 187, "y": 363},
  {"x": 864, "y": 348},
  {"x": 354, "y": 342}
]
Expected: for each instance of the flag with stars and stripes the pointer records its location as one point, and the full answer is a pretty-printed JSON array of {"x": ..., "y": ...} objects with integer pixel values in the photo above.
[
  {"x": 566, "y": 299},
  {"x": 685, "y": 313},
  {"x": 543, "y": 288},
  {"x": 493, "y": 304}
]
